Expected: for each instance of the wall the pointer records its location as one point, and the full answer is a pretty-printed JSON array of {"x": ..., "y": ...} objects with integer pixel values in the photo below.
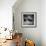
[
  {"x": 6, "y": 13},
  {"x": 6, "y": 17},
  {"x": 30, "y": 33},
  {"x": 43, "y": 22},
  {"x": 35, "y": 34}
]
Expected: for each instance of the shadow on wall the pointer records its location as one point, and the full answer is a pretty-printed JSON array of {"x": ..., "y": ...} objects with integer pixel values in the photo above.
[{"x": 17, "y": 4}]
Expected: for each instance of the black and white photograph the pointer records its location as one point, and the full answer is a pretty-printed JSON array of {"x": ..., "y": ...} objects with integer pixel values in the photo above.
[{"x": 28, "y": 19}]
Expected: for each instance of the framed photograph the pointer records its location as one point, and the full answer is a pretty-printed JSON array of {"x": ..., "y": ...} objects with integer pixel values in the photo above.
[{"x": 29, "y": 19}]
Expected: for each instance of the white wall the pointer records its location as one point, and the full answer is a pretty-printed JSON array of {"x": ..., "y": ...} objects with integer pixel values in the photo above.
[
  {"x": 6, "y": 13},
  {"x": 31, "y": 5},
  {"x": 43, "y": 22},
  {"x": 35, "y": 34}
]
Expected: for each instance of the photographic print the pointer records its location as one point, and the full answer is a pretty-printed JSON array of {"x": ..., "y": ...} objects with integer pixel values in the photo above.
[{"x": 29, "y": 19}]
